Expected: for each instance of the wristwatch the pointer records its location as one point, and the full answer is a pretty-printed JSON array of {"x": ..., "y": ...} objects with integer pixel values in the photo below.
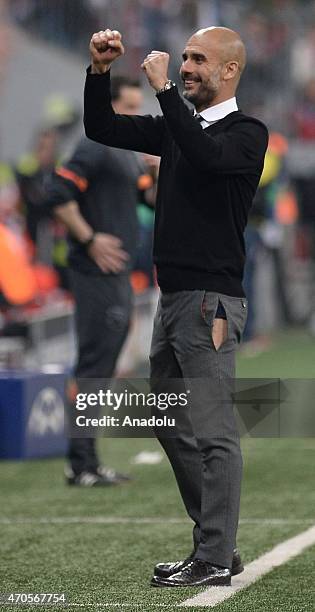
[{"x": 168, "y": 85}]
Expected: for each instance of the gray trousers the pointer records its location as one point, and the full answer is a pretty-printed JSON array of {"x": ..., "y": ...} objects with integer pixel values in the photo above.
[{"x": 205, "y": 452}]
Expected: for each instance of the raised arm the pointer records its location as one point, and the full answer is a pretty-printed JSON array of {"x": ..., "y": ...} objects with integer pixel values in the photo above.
[
  {"x": 134, "y": 132},
  {"x": 241, "y": 148}
]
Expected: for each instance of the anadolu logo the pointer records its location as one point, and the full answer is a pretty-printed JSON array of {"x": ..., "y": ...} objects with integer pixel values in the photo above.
[{"x": 47, "y": 413}]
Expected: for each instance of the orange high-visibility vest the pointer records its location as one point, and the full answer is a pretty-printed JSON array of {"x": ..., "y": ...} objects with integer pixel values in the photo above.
[{"x": 17, "y": 278}]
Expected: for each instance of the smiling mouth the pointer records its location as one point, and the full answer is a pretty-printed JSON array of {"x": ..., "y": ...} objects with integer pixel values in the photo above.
[{"x": 190, "y": 82}]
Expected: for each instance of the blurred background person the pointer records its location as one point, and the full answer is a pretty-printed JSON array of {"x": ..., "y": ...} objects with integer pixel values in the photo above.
[
  {"x": 303, "y": 128},
  {"x": 264, "y": 235},
  {"x": 95, "y": 194},
  {"x": 32, "y": 172},
  {"x": 303, "y": 57}
]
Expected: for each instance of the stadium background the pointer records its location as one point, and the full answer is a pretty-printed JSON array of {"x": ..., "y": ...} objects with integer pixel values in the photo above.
[{"x": 99, "y": 545}]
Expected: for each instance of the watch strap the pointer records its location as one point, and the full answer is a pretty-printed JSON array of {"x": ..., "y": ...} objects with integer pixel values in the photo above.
[{"x": 168, "y": 85}]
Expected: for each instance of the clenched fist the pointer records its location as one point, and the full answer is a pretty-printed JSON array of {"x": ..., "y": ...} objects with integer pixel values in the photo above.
[
  {"x": 105, "y": 47},
  {"x": 155, "y": 66}
]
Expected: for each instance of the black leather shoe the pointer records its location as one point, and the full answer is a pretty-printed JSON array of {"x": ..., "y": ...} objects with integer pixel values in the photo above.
[
  {"x": 164, "y": 570},
  {"x": 196, "y": 573}
]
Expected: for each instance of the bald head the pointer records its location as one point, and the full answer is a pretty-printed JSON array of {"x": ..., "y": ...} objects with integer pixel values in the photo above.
[
  {"x": 223, "y": 41},
  {"x": 213, "y": 61}
]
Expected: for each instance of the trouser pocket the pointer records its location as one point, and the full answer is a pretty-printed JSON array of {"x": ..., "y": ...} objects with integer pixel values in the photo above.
[{"x": 222, "y": 331}]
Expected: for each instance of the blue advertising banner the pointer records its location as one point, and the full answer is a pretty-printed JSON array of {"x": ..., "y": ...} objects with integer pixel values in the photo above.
[{"x": 32, "y": 411}]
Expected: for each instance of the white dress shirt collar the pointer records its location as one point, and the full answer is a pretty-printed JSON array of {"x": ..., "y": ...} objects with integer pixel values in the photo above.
[{"x": 218, "y": 111}]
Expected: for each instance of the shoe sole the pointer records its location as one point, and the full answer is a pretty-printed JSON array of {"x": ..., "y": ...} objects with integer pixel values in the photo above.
[{"x": 216, "y": 582}]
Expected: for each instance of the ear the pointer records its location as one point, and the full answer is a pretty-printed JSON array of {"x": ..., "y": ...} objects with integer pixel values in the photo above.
[{"x": 231, "y": 70}]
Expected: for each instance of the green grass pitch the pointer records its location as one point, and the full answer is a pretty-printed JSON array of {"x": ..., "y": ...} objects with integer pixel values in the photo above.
[{"x": 111, "y": 563}]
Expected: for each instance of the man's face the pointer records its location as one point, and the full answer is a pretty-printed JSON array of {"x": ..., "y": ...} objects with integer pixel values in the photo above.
[
  {"x": 201, "y": 72},
  {"x": 129, "y": 101}
]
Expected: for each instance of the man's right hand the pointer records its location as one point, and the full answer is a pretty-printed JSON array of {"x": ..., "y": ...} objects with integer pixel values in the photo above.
[
  {"x": 105, "y": 47},
  {"x": 107, "y": 253}
]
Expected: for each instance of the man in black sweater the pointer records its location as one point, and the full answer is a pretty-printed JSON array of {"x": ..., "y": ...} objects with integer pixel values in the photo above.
[{"x": 211, "y": 162}]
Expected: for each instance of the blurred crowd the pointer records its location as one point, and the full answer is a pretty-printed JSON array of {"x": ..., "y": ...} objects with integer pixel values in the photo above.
[
  {"x": 278, "y": 86},
  {"x": 279, "y": 36}
]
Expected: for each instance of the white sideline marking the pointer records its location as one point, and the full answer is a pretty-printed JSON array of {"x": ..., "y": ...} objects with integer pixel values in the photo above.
[
  {"x": 114, "y": 520},
  {"x": 121, "y": 605},
  {"x": 279, "y": 555}
]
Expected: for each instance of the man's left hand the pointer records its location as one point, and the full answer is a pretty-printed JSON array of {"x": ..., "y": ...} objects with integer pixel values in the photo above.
[{"x": 155, "y": 66}]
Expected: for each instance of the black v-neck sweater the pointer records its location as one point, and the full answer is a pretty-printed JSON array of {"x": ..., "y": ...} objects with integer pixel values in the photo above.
[{"x": 207, "y": 182}]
